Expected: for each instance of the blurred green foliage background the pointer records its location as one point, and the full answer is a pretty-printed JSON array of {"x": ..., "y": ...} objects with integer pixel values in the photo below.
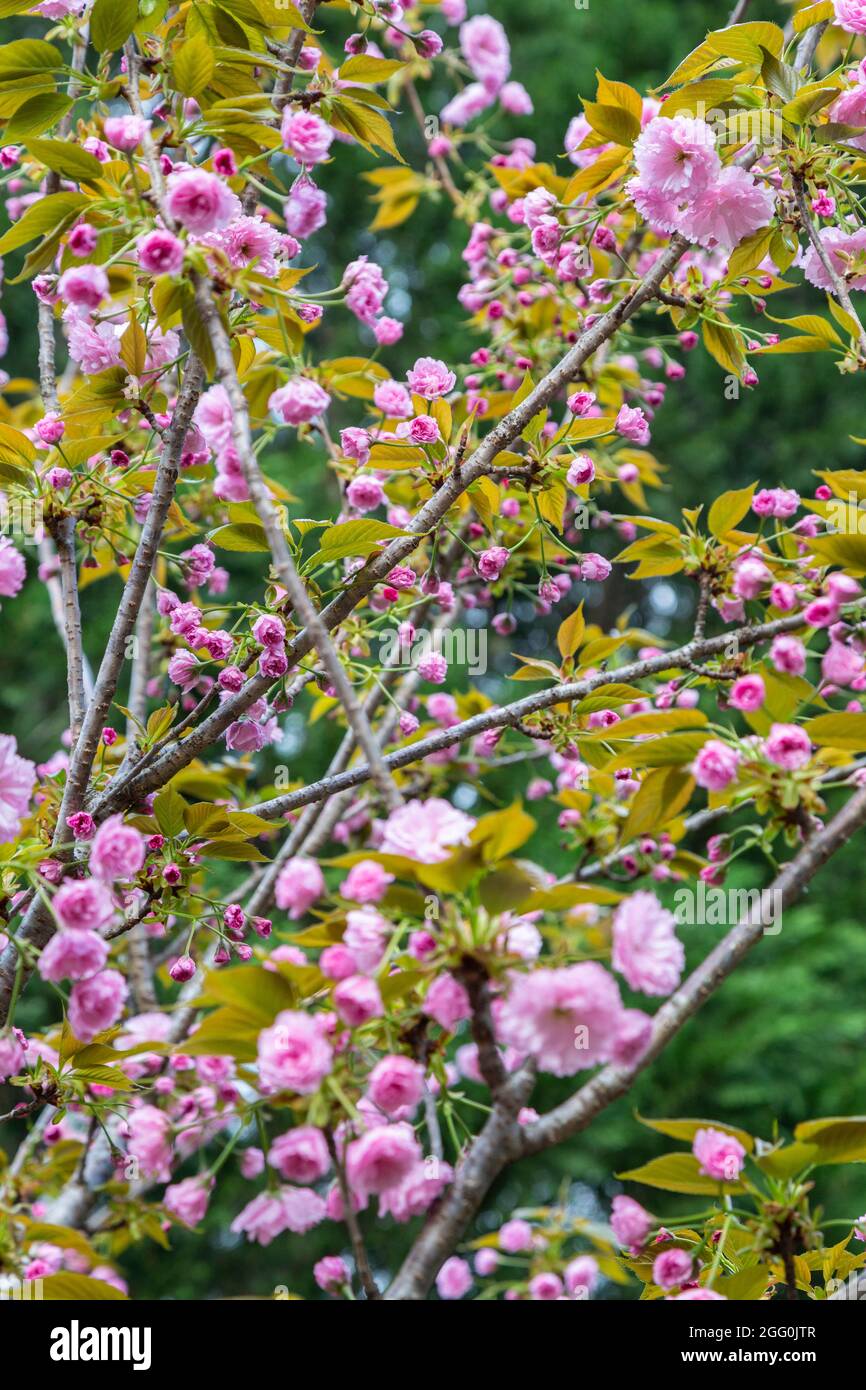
[{"x": 784, "y": 1040}]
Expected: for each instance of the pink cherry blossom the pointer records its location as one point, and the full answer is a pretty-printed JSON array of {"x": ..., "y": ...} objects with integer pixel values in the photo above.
[
  {"x": 306, "y": 136},
  {"x": 486, "y": 49},
  {"x": 299, "y": 401},
  {"x": 646, "y": 949},
  {"x": 201, "y": 202},
  {"x": 431, "y": 378},
  {"x": 160, "y": 253},
  {"x": 17, "y": 778},
  {"x": 117, "y": 851},
  {"x": 73, "y": 955},
  {"x": 299, "y": 884},
  {"x": 301, "y": 1154},
  {"x": 366, "y": 882},
  {"x": 630, "y": 1222},
  {"x": 567, "y": 1019},
  {"x": 719, "y": 1155},
  {"x": 96, "y": 1003},
  {"x": 426, "y": 831},
  {"x": 294, "y": 1054},
  {"x": 716, "y": 765},
  {"x": 789, "y": 746},
  {"x": 13, "y": 569},
  {"x": 381, "y": 1158},
  {"x": 851, "y": 15},
  {"x": 83, "y": 904}
]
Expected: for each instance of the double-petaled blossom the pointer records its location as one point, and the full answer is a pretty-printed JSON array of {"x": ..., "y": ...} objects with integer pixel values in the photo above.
[
  {"x": 17, "y": 779},
  {"x": 646, "y": 948},
  {"x": 566, "y": 1019},
  {"x": 294, "y": 1054},
  {"x": 200, "y": 202}
]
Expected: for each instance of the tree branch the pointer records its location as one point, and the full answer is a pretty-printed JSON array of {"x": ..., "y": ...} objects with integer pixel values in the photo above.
[
  {"x": 350, "y": 1216},
  {"x": 64, "y": 540},
  {"x": 504, "y": 716}
]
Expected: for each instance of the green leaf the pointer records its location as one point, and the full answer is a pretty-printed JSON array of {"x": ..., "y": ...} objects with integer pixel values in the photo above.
[
  {"x": 807, "y": 102},
  {"x": 37, "y": 114},
  {"x": 104, "y": 1076},
  {"x": 41, "y": 218},
  {"x": 11, "y": 473},
  {"x": 742, "y": 42},
  {"x": 564, "y": 896},
  {"x": 780, "y": 79},
  {"x": 169, "y": 810},
  {"x": 239, "y": 850},
  {"x": 671, "y": 751},
  {"x": 193, "y": 66},
  {"x": 249, "y": 13},
  {"x": 613, "y": 123},
  {"x": 78, "y": 1288},
  {"x": 661, "y": 721},
  {"x": 788, "y": 1162},
  {"x": 728, "y": 511},
  {"x": 813, "y": 325},
  {"x": 66, "y": 159},
  {"x": 838, "y": 1140},
  {"x": 284, "y": 14},
  {"x": 256, "y": 993},
  {"x": 813, "y": 14},
  {"x": 111, "y": 23},
  {"x": 506, "y": 888},
  {"x": 687, "y": 1129},
  {"x": 617, "y": 693},
  {"x": 366, "y": 69},
  {"x": 723, "y": 344},
  {"x": 133, "y": 346},
  {"x": 749, "y": 253},
  {"x": 663, "y": 793},
  {"x": 369, "y": 127},
  {"x": 678, "y": 1173},
  {"x": 579, "y": 431},
  {"x": 160, "y": 721},
  {"x": 838, "y": 731},
  {"x": 225, "y": 1033},
  {"x": 242, "y": 536},
  {"x": 571, "y": 632},
  {"x": 28, "y": 55},
  {"x": 502, "y": 832},
  {"x": 203, "y": 819},
  {"x": 847, "y": 551},
  {"x": 801, "y": 342},
  {"x": 197, "y": 335},
  {"x": 354, "y": 538},
  {"x": 748, "y": 1285}
]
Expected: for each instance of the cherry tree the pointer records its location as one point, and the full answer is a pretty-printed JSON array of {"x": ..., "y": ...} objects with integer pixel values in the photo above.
[{"x": 318, "y": 980}]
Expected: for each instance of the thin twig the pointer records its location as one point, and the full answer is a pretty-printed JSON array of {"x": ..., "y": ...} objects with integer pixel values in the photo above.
[
  {"x": 64, "y": 540},
  {"x": 510, "y": 716},
  {"x": 840, "y": 289},
  {"x": 350, "y": 1216}
]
